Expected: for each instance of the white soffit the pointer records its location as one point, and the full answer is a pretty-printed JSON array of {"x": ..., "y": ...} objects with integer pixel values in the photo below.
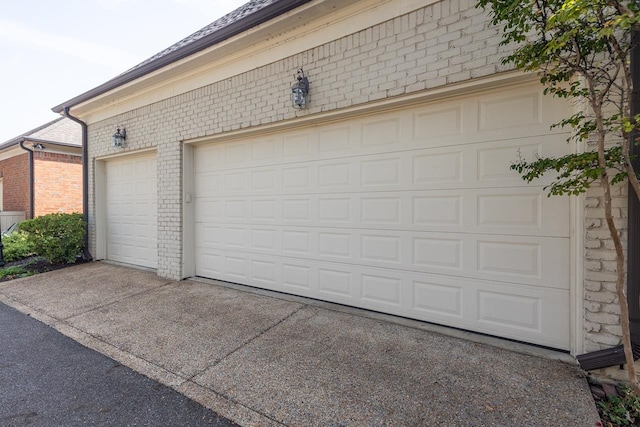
[{"x": 11, "y": 152}]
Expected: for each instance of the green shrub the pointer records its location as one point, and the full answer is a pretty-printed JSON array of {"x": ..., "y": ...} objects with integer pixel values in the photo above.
[
  {"x": 56, "y": 237},
  {"x": 17, "y": 245},
  {"x": 623, "y": 410}
]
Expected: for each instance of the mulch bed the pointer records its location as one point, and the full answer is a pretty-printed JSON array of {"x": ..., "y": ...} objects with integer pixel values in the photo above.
[
  {"x": 35, "y": 265},
  {"x": 602, "y": 392}
]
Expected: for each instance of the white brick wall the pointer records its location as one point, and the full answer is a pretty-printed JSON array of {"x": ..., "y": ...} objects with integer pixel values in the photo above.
[
  {"x": 602, "y": 313},
  {"x": 444, "y": 43}
]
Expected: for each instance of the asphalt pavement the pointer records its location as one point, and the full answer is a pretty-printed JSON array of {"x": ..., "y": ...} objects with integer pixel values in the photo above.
[{"x": 47, "y": 379}]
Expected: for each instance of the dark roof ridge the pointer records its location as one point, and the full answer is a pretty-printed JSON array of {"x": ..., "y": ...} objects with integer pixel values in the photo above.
[{"x": 251, "y": 14}]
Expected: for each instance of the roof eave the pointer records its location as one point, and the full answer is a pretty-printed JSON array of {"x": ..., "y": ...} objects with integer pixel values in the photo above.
[
  {"x": 11, "y": 143},
  {"x": 268, "y": 12},
  {"x": 18, "y": 140},
  {"x": 50, "y": 142}
]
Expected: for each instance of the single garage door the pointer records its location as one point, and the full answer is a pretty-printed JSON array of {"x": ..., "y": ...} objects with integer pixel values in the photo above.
[
  {"x": 131, "y": 196},
  {"x": 413, "y": 212}
]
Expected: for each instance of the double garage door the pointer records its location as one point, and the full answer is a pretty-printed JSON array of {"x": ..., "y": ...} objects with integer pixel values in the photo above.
[{"x": 413, "y": 212}]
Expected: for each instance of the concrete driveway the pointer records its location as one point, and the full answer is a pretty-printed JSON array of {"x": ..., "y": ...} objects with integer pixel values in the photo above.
[{"x": 264, "y": 359}]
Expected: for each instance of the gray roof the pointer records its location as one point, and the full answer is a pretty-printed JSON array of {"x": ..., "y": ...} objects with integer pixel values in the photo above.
[
  {"x": 60, "y": 131},
  {"x": 246, "y": 9},
  {"x": 247, "y": 16}
]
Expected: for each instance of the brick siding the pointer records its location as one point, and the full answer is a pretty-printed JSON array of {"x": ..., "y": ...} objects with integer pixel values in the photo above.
[
  {"x": 58, "y": 183},
  {"x": 15, "y": 183},
  {"x": 602, "y": 312}
]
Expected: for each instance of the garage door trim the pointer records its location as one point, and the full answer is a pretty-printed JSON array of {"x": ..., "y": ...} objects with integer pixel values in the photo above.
[{"x": 100, "y": 175}]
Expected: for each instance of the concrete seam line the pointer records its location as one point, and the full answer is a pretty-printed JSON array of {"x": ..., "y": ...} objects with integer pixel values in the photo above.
[
  {"x": 98, "y": 307},
  {"x": 244, "y": 344}
]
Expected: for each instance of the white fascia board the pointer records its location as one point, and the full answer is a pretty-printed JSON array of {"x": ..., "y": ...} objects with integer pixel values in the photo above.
[
  {"x": 54, "y": 148},
  {"x": 12, "y": 151}
]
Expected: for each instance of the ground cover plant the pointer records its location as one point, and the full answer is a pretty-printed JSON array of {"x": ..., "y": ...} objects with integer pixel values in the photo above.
[
  {"x": 621, "y": 408},
  {"x": 45, "y": 243},
  {"x": 17, "y": 246},
  {"x": 15, "y": 271}
]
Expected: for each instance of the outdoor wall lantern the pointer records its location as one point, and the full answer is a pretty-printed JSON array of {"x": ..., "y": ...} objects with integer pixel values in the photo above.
[
  {"x": 119, "y": 137},
  {"x": 300, "y": 90}
]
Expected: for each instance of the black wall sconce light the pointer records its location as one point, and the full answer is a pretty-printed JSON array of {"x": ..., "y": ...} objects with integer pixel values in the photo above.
[
  {"x": 119, "y": 137},
  {"x": 300, "y": 90}
]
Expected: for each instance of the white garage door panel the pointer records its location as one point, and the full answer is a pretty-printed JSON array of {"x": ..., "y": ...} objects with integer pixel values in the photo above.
[
  {"x": 518, "y": 211},
  {"x": 419, "y": 128},
  {"x": 477, "y": 165},
  {"x": 413, "y": 212},
  {"x": 131, "y": 210},
  {"x": 505, "y": 309},
  {"x": 514, "y": 259}
]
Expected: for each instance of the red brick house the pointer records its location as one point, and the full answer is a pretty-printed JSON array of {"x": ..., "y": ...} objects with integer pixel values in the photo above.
[{"x": 41, "y": 171}]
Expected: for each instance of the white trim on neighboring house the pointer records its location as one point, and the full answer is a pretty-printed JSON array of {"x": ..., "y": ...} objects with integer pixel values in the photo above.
[
  {"x": 1, "y": 194},
  {"x": 51, "y": 148},
  {"x": 60, "y": 149},
  {"x": 11, "y": 152}
]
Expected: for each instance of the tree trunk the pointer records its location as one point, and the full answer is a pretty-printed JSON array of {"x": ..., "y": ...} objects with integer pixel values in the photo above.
[{"x": 620, "y": 270}]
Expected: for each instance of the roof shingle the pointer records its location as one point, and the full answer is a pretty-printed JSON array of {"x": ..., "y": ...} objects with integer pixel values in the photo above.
[
  {"x": 61, "y": 130},
  {"x": 247, "y": 16},
  {"x": 246, "y": 9}
]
